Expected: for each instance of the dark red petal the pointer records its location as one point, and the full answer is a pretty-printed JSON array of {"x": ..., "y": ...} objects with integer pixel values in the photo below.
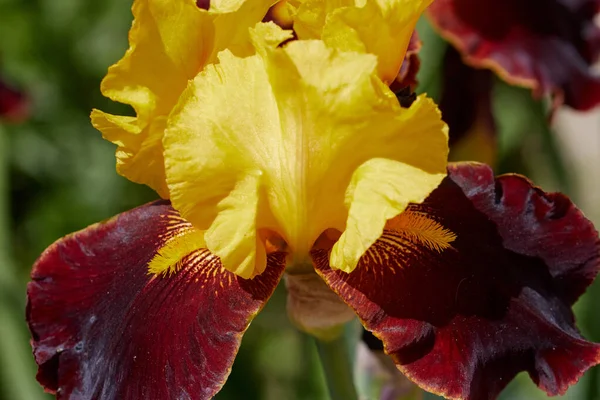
[
  {"x": 13, "y": 104},
  {"x": 548, "y": 45},
  {"x": 464, "y": 321},
  {"x": 104, "y": 328},
  {"x": 407, "y": 76}
]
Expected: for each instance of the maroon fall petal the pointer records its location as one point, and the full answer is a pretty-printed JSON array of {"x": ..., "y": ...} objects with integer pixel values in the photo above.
[
  {"x": 547, "y": 45},
  {"x": 104, "y": 328},
  {"x": 464, "y": 320}
]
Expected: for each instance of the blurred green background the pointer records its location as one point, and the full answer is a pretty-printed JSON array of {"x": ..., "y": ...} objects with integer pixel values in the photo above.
[{"x": 57, "y": 175}]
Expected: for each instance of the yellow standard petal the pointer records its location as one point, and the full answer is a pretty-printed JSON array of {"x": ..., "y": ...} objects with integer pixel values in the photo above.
[
  {"x": 170, "y": 42},
  {"x": 293, "y": 141},
  {"x": 380, "y": 27}
]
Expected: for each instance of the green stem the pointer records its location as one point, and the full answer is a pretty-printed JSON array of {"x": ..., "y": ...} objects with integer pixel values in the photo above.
[
  {"x": 337, "y": 367},
  {"x": 6, "y": 271},
  {"x": 17, "y": 370},
  {"x": 552, "y": 149}
]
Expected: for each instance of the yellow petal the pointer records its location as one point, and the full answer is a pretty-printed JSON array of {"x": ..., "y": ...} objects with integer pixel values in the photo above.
[
  {"x": 311, "y": 15},
  {"x": 282, "y": 141},
  {"x": 232, "y": 20},
  {"x": 233, "y": 234},
  {"x": 392, "y": 186},
  {"x": 268, "y": 35},
  {"x": 381, "y": 27},
  {"x": 170, "y": 42},
  {"x": 139, "y": 153}
]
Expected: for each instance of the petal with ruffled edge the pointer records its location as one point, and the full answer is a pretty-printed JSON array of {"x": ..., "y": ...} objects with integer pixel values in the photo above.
[
  {"x": 170, "y": 42},
  {"x": 284, "y": 12},
  {"x": 104, "y": 327},
  {"x": 462, "y": 315},
  {"x": 382, "y": 27},
  {"x": 548, "y": 45},
  {"x": 296, "y": 140}
]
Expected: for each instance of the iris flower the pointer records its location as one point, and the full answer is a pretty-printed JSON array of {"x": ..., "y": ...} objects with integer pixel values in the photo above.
[
  {"x": 13, "y": 103},
  {"x": 293, "y": 158},
  {"x": 546, "y": 45}
]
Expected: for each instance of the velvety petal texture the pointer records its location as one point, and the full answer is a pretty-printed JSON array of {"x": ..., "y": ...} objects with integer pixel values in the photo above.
[
  {"x": 105, "y": 327},
  {"x": 294, "y": 141},
  {"x": 382, "y": 27},
  {"x": 548, "y": 45},
  {"x": 170, "y": 42},
  {"x": 476, "y": 284}
]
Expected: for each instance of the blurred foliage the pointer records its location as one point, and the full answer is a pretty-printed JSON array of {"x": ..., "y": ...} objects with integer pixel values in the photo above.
[{"x": 57, "y": 175}]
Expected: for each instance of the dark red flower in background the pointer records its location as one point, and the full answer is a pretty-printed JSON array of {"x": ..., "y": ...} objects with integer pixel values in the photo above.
[
  {"x": 13, "y": 103},
  {"x": 547, "y": 45}
]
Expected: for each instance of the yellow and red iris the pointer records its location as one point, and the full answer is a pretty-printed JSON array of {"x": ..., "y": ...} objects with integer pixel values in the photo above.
[{"x": 279, "y": 157}]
